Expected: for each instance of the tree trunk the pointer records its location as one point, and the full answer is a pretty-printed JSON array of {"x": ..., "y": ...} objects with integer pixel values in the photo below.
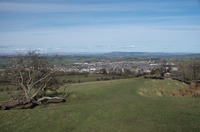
[
  {"x": 27, "y": 103},
  {"x": 20, "y": 104}
]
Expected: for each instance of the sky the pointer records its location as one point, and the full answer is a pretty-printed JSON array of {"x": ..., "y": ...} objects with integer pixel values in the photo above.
[{"x": 100, "y": 25}]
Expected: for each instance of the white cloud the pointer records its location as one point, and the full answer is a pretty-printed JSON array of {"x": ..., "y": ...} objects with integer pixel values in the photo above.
[
  {"x": 133, "y": 46},
  {"x": 20, "y": 49},
  {"x": 104, "y": 38}
]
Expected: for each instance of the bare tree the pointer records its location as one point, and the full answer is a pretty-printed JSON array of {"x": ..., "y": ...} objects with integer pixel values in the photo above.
[
  {"x": 34, "y": 77},
  {"x": 190, "y": 70},
  {"x": 195, "y": 66}
]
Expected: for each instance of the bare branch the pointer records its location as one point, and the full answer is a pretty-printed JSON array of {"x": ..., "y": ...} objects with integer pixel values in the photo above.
[
  {"x": 40, "y": 89},
  {"x": 51, "y": 98},
  {"x": 30, "y": 78},
  {"x": 42, "y": 78},
  {"x": 21, "y": 76},
  {"x": 15, "y": 75}
]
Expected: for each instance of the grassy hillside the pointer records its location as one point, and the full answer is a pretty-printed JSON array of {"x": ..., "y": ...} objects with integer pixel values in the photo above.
[
  {"x": 88, "y": 78},
  {"x": 118, "y": 105}
]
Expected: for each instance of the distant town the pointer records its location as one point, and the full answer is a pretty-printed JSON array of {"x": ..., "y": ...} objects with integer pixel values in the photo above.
[{"x": 116, "y": 67}]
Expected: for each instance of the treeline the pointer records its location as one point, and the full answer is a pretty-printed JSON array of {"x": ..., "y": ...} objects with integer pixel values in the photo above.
[{"x": 188, "y": 70}]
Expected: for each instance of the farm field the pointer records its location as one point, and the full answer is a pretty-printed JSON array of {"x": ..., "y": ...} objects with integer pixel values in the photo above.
[{"x": 123, "y": 105}]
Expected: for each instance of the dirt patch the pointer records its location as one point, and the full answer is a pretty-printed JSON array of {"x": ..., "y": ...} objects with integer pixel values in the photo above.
[
  {"x": 150, "y": 92},
  {"x": 140, "y": 93},
  {"x": 158, "y": 93}
]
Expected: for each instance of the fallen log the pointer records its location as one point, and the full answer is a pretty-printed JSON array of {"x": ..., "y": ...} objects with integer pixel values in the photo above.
[
  {"x": 28, "y": 104},
  {"x": 10, "y": 104}
]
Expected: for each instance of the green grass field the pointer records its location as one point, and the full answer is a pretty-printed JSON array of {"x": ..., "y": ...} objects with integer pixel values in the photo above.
[
  {"x": 126, "y": 105},
  {"x": 88, "y": 78}
]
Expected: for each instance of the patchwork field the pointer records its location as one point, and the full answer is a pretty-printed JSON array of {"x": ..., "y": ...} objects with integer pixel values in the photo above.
[{"x": 117, "y": 105}]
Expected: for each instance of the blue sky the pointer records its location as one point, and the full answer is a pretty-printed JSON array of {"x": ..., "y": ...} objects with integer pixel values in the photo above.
[{"x": 100, "y": 25}]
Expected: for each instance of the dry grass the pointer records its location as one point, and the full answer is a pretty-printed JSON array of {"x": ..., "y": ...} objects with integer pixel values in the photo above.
[
  {"x": 160, "y": 88},
  {"x": 188, "y": 91}
]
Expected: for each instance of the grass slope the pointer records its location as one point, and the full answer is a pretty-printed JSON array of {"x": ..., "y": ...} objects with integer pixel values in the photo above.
[
  {"x": 86, "y": 78},
  {"x": 116, "y": 105}
]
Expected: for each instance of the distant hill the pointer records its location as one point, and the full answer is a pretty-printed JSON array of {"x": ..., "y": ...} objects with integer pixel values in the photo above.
[
  {"x": 150, "y": 54},
  {"x": 114, "y": 54}
]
